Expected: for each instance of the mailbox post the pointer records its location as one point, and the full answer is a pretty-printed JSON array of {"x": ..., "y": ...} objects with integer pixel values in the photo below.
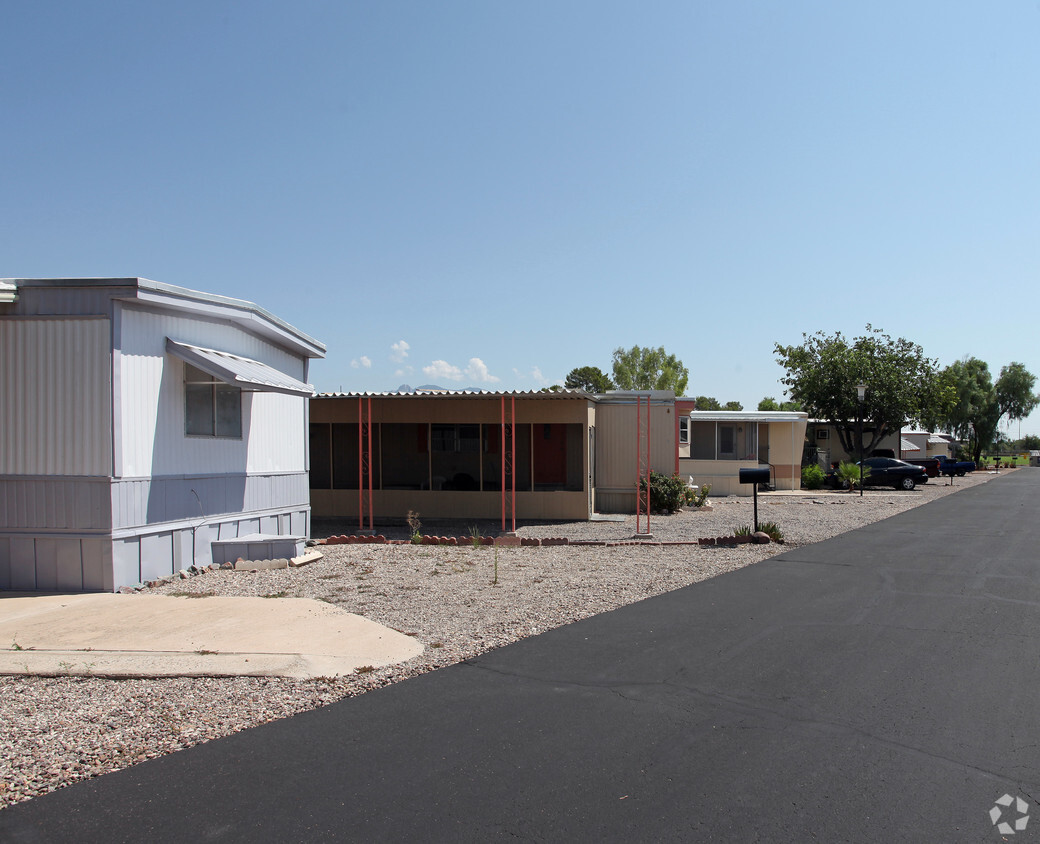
[{"x": 755, "y": 477}]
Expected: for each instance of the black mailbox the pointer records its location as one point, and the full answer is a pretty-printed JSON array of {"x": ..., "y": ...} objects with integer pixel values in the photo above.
[{"x": 754, "y": 476}]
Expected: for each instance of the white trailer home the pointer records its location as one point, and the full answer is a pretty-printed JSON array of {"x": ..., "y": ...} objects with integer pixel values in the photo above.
[{"x": 141, "y": 425}]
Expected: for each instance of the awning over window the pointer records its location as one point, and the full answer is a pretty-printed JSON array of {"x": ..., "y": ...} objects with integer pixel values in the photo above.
[
  {"x": 238, "y": 371},
  {"x": 906, "y": 445},
  {"x": 8, "y": 292}
]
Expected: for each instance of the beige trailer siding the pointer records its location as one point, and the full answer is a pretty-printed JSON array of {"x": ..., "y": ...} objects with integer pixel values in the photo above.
[{"x": 616, "y": 453}]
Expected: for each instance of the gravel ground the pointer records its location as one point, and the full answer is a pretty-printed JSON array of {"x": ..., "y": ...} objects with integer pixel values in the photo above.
[{"x": 61, "y": 729}]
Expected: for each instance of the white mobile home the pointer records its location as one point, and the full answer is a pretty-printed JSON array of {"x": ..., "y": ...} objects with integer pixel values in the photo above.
[{"x": 141, "y": 423}]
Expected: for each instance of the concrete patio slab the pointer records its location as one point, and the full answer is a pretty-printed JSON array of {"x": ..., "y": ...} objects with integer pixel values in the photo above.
[{"x": 163, "y": 636}]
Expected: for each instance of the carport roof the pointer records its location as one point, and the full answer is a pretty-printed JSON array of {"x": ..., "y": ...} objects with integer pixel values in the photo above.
[{"x": 467, "y": 394}]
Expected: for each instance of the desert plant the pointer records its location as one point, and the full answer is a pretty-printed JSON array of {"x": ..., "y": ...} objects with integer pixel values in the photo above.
[
  {"x": 667, "y": 492},
  {"x": 812, "y": 477},
  {"x": 414, "y": 525},
  {"x": 772, "y": 529},
  {"x": 696, "y": 496},
  {"x": 743, "y": 530},
  {"x": 475, "y": 536},
  {"x": 848, "y": 475}
]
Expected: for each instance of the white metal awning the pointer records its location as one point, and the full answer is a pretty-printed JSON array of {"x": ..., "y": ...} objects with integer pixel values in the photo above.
[
  {"x": 8, "y": 292},
  {"x": 935, "y": 439},
  {"x": 242, "y": 372},
  {"x": 906, "y": 445}
]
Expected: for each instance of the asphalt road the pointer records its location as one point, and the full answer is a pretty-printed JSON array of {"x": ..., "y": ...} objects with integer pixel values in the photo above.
[{"x": 881, "y": 686}]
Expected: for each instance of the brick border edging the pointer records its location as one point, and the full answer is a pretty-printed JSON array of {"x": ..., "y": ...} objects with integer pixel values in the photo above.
[{"x": 528, "y": 542}]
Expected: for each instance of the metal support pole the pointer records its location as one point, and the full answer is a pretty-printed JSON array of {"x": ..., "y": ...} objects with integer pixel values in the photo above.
[
  {"x": 502, "y": 454},
  {"x": 754, "y": 495},
  {"x": 860, "y": 432},
  {"x": 648, "y": 464},
  {"x": 371, "y": 515},
  {"x": 512, "y": 459},
  {"x": 360, "y": 465}
]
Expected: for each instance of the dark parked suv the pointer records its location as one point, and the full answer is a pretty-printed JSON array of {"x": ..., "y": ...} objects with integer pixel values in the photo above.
[{"x": 886, "y": 471}]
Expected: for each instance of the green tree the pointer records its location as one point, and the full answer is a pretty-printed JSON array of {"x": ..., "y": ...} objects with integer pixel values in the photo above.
[
  {"x": 649, "y": 369},
  {"x": 733, "y": 405},
  {"x": 980, "y": 404},
  {"x": 1015, "y": 392},
  {"x": 708, "y": 403},
  {"x": 903, "y": 386},
  {"x": 770, "y": 403},
  {"x": 1030, "y": 442},
  {"x": 974, "y": 414},
  {"x": 589, "y": 378}
]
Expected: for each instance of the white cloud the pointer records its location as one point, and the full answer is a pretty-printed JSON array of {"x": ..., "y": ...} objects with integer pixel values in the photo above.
[
  {"x": 534, "y": 375},
  {"x": 363, "y": 361},
  {"x": 400, "y": 351},
  {"x": 478, "y": 371},
  {"x": 443, "y": 371}
]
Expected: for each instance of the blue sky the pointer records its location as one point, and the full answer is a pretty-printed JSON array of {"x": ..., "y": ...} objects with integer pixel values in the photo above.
[{"x": 489, "y": 194}]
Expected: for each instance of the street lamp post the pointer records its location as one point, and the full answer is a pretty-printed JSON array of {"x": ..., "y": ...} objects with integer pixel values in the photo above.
[{"x": 861, "y": 391}]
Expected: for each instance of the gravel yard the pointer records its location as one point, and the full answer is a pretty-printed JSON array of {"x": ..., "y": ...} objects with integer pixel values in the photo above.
[{"x": 61, "y": 729}]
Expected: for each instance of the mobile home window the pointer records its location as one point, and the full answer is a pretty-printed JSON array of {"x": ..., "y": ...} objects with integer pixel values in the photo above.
[
  {"x": 684, "y": 430},
  {"x": 211, "y": 407}
]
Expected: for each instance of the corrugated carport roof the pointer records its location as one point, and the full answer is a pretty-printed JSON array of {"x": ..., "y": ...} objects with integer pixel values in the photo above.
[{"x": 467, "y": 394}]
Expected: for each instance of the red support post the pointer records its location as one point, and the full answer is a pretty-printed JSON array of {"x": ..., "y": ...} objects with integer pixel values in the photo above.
[
  {"x": 648, "y": 464},
  {"x": 642, "y": 505},
  {"x": 502, "y": 457},
  {"x": 512, "y": 458},
  {"x": 364, "y": 463},
  {"x": 509, "y": 457},
  {"x": 371, "y": 515}
]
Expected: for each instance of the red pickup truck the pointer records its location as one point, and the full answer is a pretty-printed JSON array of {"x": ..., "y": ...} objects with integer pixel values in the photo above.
[{"x": 929, "y": 464}]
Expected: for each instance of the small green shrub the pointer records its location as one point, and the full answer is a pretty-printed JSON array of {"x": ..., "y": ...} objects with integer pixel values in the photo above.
[
  {"x": 697, "y": 496},
  {"x": 667, "y": 492},
  {"x": 848, "y": 475},
  {"x": 772, "y": 529},
  {"x": 812, "y": 477},
  {"x": 475, "y": 536},
  {"x": 413, "y": 525},
  {"x": 743, "y": 530}
]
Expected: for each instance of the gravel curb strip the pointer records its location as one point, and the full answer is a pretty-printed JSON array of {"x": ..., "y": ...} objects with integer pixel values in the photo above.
[{"x": 62, "y": 729}]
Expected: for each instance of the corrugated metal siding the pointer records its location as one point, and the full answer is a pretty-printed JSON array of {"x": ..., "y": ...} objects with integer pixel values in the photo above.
[
  {"x": 152, "y": 403},
  {"x": 55, "y": 380},
  {"x": 148, "y": 501},
  {"x": 616, "y": 445},
  {"x": 55, "y": 504}
]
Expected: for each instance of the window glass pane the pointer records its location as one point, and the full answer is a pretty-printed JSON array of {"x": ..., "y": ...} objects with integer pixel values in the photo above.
[
  {"x": 684, "y": 430},
  {"x": 195, "y": 375},
  {"x": 469, "y": 438},
  {"x": 321, "y": 455},
  {"x": 403, "y": 460},
  {"x": 442, "y": 437},
  {"x": 727, "y": 438},
  {"x": 702, "y": 446},
  {"x": 228, "y": 411},
  {"x": 198, "y": 410},
  {"x": 750, "y": 441}
]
